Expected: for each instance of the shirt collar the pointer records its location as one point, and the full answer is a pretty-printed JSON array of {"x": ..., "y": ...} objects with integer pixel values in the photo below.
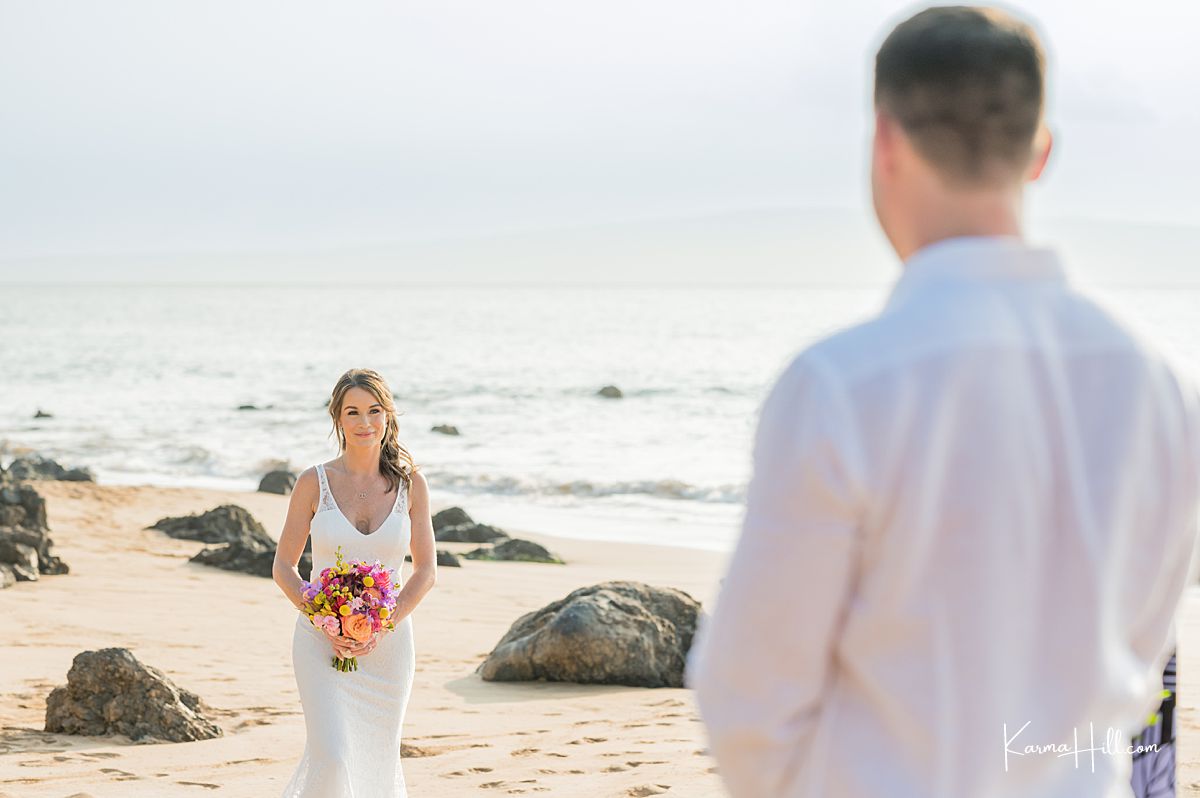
[{"x": 979, "y": 258}]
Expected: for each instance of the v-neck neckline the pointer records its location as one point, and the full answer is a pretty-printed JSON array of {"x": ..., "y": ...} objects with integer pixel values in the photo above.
[{"x": 346, "y": 518}]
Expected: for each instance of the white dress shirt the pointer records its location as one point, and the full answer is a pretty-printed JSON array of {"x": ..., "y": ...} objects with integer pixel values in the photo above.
[{"x": 969, "y": 525}]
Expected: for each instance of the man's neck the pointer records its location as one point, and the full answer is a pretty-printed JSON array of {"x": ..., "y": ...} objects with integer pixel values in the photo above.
[{"x": 962, "y": 214}]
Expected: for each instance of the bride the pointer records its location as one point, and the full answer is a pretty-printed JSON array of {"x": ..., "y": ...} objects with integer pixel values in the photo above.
[{"x": 372, "y": 502}]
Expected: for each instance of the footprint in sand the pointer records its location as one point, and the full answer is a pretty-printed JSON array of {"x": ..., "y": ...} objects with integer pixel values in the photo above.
[
  {"x": 480, "y": 770},
  {"x": 99, "y": 754},
  {"x": 252, "y": 722},
  {"x": 589, "y": 740},
  {"x": 408, "y": 750},
  {"x": 647, "y": 789},
  {"x": 200, "y": 784},
  {"x": 243, "y": 761},
  {"x": 524, "y": 752}
]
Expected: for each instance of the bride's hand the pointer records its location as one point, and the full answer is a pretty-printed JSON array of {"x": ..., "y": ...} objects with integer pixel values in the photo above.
[
  {"x": 367, "y": 646},
  {"x": 344, "y": 647}
]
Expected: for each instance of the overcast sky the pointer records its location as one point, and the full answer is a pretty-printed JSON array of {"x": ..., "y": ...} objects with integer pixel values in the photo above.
[{"x": 185, "y": 127}]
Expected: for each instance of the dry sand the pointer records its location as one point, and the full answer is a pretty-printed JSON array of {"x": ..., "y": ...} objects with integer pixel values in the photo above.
[{"x": 228, "y": 637}]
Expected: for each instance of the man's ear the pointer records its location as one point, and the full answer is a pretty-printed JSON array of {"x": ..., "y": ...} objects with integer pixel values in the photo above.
[
  {"x": 1043, "y": 142},
  {"x": 884, "y": 144}
]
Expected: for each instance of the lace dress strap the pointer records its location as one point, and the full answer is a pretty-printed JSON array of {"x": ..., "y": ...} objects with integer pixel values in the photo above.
[{"x": 326, "y": 499}]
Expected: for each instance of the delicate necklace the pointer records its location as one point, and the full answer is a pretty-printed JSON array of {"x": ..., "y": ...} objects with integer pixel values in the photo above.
[{"x": 362, "y": 494}]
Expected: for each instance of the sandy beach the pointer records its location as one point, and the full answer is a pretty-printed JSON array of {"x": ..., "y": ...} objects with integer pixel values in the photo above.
[{"x": 227, "y": 637}]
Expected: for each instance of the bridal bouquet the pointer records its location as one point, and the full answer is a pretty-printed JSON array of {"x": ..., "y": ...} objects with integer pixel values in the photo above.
[{"x": 354, "y": 599}]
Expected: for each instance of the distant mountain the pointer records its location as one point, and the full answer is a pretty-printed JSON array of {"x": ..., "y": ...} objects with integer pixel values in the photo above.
[{"x": 791, "y": 245}]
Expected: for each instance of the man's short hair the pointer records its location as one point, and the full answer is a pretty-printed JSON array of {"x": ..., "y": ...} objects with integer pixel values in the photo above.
[{"x": 967, "y": 86}]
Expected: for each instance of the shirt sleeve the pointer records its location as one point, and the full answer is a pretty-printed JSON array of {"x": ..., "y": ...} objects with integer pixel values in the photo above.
[{"x": 761, "y": 661}]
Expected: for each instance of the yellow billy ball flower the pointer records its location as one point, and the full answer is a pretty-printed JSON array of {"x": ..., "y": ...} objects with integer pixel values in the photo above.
[
  {"x": 345, "y": 609},
  {"x": 384, "y": 612},
  {"x": 368, "y": 581}
]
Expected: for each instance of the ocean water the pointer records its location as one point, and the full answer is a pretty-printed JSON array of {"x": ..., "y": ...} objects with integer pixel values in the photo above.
[{"x": 144, "y": 384}]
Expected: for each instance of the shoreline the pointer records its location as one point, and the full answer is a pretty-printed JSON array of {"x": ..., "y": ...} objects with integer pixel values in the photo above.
[{"x": 581, "y": 517}]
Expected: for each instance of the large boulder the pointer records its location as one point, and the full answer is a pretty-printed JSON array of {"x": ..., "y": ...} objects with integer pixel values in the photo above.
[
  {"x": 227, "y": 523},
  {"x": 469, "y": 533},
  {"x": 30, "y": 467},
  {"x": 451, "y": 516},
  {"x": 514, "y": 549},
  {"x": 445, "y": 429},
  {"x": 111, "y": 692},
  {"x": 610, "y": 392},
  {"x": 250, "y": 559},
  {"x": 611, "y": 633},
  {"x": 280, "y": 481}
]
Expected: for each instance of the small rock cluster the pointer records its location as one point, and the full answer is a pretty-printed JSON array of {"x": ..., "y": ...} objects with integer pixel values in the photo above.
[
  {"x": 514, "y": 549},
  {"x": 34, "y": 467},
  {"x": 454, "y": 525},
  {"x": 240, "y": 543}
]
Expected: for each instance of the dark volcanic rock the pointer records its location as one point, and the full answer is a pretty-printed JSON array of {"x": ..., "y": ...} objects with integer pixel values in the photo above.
[
  {"x": 227, "y": 523},
  {"x": 610, "y": 392},
  {"x": 514, "y": 549},
  {"x": 469, "y": 533},
  {"x": 445, "y": 429},
  {"x": 612, "y": 633},
  {"x": 451, "y": 516},
  {"x": 33, "y": 467},
  {"x": 21, "y": 558},
  {"x": 280, "y": 482},
  {"x": 250, "y": 559},
  {"x": 26, "y": 550},
  {"x": 111, "y": 692},
  {"x": 444, "y": 557}
]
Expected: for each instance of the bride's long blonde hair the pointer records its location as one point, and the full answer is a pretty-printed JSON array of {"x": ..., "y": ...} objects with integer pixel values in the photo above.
[{"x": 395, "y": 462}]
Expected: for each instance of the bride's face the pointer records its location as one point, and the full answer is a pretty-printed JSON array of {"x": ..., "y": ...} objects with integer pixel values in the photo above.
[{"x": 363, "y": 418}]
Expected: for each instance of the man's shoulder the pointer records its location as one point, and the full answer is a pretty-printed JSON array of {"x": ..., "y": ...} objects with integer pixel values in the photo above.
[{"x": 849, "y": 350}]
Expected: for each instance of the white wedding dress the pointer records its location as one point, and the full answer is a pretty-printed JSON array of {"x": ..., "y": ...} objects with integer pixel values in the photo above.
[{"x": 353, "y": 719}]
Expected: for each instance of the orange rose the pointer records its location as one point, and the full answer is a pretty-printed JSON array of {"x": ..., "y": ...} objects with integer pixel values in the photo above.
[{"x": 357, "y": 626}]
